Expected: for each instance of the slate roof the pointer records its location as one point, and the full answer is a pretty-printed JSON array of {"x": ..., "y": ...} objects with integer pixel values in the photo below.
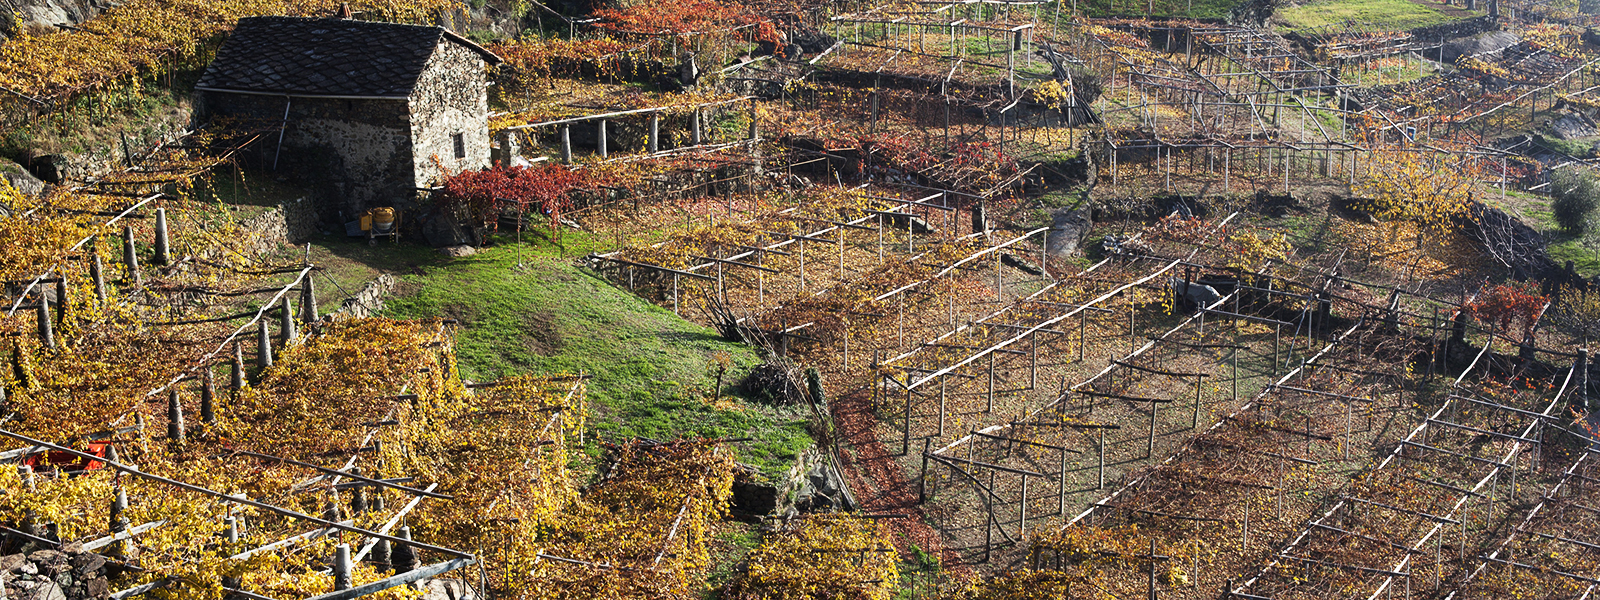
[{"x": 334, "y": 57}]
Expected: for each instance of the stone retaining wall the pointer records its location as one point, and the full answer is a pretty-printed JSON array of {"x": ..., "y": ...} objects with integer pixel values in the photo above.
[
  {"x": 368, "y": 301},
  {"x": 66, "y": 574}
]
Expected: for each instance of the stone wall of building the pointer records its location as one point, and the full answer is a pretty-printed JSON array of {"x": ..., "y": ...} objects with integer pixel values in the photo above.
[
  {"x": 450, "y": 99},
  {"x": 356, "y": 152}
]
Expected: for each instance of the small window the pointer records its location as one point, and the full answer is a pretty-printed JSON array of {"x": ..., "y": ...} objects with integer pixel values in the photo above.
[{"x": 461, "y": 145}]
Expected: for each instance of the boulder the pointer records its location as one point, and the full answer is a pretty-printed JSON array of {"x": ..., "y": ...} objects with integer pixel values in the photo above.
[
  {"x": 13, "y": 563},
  {"x": 21, "y": 179},
  {"x": 822, "y": 492},
  {"x": 810, "y": 40},
  {"x": 1068, "y": 228},
  {"x": 49, "y": 560},
  {"x": 50, "y": 13},
  {"x": 97, "y": 588},
  {"x": 442, "y": 231},
  {"x": 38, "y": 590},
  {"x": 458, "y": 251},
  {"x": 87, "y": 562},
  {"x": 1488, "y": 43},
  {"x": 1194, "y": 293},
  {"x": 901, "y": 221},
  {"x": 447, "y": 589}
]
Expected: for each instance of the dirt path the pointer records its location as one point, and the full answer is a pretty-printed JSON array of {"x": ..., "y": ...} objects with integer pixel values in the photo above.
[{"x": 880, "y": 485}]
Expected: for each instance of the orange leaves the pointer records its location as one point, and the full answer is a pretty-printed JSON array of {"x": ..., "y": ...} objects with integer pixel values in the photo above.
[
  {"x": 1418, "y": 187},
  {"x": 679, "y": 17},
  {"x": 542, "y": 58},
  {"x": 486, "y": 193},
  {"x": 332, "y": 382}
]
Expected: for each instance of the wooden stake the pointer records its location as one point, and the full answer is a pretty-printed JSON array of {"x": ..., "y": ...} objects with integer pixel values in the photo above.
[
  {"x": 1195, "y": 422},
  {"x": 566, "y": 144},
  {"x": 308, "y": 301},
  {"x": 755, "y": 125},
  {"x": 341, "y": 567},
  {"x": 1033, "y": 360},
  {"x": 922, "y": 482},
  {"x": 942, "y": 380},
  {"x": 1022, "y": 510},
  {"x": 905, "y": 439},
  {"x": 1061, "y": 487},
  {"x": 1101, "y": 446},
  {"x": 1244, "y": 530},
  {"x": 990, "y": 406},
  {"x": 286, "y": 326},
  {"x": 655, "y": 132},
  {"x": 61, "y": 299},
  {"x": 1152, "y": 587},
  {"x": 1150, "y": 444}
]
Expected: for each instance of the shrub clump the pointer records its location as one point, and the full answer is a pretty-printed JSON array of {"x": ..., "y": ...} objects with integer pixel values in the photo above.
[{"x": 1575, "y": 200}]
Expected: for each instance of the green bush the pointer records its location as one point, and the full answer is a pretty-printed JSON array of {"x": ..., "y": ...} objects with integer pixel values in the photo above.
[{"x": 1575, "y": 198}]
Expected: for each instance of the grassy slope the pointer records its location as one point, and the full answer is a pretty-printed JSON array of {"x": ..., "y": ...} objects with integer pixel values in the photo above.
[
  {"x": 1563, "y": 246},
  {"x": 651, "y": 369},
  {"x": 1384, "y": 14}
]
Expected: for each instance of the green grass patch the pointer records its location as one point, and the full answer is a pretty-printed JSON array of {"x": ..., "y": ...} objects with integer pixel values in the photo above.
[
  {"x": 730, "y": 546},
  {"x": 920, "y": 573},
  {"x": 653, "y": 371},
  {"x": 1573, "y": 148},
  {"x": 349, "y": 263},
  {"x": 1383, "y": 14},
  {"x": 1565, "y": 247}
]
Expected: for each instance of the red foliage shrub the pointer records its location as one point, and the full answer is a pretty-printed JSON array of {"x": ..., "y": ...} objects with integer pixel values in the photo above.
[
  {"x": 544, "y": 188},
  {"x": 1501, "y": 304}
]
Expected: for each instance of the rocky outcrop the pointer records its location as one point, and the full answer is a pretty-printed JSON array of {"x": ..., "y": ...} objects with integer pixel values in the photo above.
[
  {"x": 23, "y": 15},
  {"x": 1253, "y": 13},
  {"x": 1488, "y": 43},
  {"x": 1574, "y": 126}
]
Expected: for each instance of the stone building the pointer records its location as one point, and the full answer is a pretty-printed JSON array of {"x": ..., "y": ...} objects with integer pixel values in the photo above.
[{"x": 370, "y": 111}]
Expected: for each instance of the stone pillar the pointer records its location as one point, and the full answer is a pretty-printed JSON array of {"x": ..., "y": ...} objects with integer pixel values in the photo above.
[{"x": 163, "y": 254}]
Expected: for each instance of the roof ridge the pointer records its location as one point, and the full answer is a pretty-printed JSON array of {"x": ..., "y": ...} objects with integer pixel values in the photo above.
[{"x": 327, "y": 56}]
